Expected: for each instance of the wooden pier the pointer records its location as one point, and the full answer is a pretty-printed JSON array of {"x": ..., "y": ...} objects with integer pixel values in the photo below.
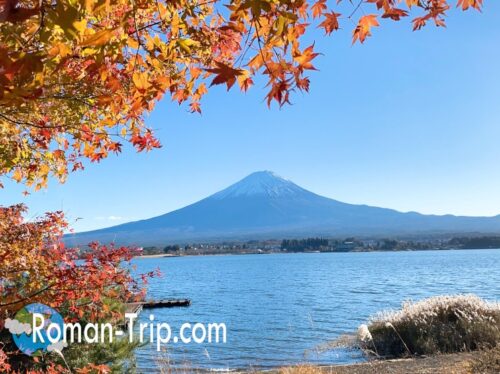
[
  {"x": 137, "y": 307},
  {"x": 150, "y": 304}
]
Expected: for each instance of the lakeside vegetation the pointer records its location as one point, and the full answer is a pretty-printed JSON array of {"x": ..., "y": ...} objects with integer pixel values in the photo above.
[
  {"x": 432, "y": 327},
  {"x": 318, "y": 244},
  {"x": 440, "y": 324}
]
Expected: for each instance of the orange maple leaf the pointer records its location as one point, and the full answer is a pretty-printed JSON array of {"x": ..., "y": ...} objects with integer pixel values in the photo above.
[
  {"x": 280, "y": 92},
  {"x": 195, "y": 107},
  {"x": 386, "y": 4},
  {"x": 331, "y": 22},
  {"x": 100, "y": 38},
  {"x": 318, "y": 8},
  {"x": 363, "y": 30},
  {"x": 245, "y": 81},
  {"x": 466, "y": 4},
  {"x": 304, "y": 59},
  {"x": 224, "y": 74},
  {"x": 395, "y": 14}
]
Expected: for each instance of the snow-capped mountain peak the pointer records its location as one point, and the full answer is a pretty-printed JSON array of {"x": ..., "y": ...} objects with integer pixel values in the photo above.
[{"x": 265, "y": 183}]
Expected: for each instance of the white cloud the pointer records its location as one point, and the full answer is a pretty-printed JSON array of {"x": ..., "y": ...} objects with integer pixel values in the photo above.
[
  {"x": 115, "y": 218},
  {"x": 110, "y": 218},
  {"x": 58, "y": 346},
  {"x": 16, "y": 327}
]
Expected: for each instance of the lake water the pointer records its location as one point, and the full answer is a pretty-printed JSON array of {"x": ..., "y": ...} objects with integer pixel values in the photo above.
[{"x": 280, "y": 308}]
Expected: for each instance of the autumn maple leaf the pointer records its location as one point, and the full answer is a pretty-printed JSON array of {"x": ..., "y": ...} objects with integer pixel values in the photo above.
[
  {"x": 195, "y": 107},
  {"x": 466, "y": 4},
  {"x": 100, "y": 38},
  {"x": 224, "y": 74},
  {"x": 363, "y": 30},
  {"x": 331, "y": 22},
  {"x": 381, "y": 3},
  {"x": 395, "y": 14},
  {"x": 280, "y": 92},
  {"x": 145, "y": 142},
  {"x": 245, "y": 81},
  {"x": 318, "y": 8},
  {"x": 304, "y": 59}
]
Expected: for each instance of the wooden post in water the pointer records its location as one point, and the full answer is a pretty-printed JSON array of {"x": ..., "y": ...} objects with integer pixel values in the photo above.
[{"x": 150, "y": 304}]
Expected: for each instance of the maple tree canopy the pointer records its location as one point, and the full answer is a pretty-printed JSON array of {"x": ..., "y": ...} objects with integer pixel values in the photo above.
[
  {"x": 78, "y": 76},
  {"x": 89, "y": 284},
  {"x": 37, "y": 267}
]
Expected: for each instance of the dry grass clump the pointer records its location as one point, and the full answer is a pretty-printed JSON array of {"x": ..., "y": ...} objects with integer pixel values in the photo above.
[
  {"x": 487, "y": 361},
  {"x": 165, "y": 365},
  {"x": 441, "y": 324}
]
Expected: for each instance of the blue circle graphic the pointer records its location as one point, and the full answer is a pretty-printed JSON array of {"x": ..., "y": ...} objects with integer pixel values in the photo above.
[{"x": 30, "y": 344}]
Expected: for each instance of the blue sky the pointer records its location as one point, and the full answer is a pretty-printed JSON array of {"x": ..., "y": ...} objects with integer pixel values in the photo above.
[{"x": 409, "y": 120}]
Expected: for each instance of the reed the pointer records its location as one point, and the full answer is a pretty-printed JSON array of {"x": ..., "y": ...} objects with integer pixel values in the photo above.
[{"x": 441, "y": 324}]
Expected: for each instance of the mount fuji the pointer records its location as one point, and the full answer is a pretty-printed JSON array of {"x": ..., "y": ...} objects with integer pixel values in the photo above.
[{"x": 264, "y": 205}]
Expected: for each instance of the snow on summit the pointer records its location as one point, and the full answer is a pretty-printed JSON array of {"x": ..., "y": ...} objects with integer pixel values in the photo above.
[{"x": 260, "y": 183}]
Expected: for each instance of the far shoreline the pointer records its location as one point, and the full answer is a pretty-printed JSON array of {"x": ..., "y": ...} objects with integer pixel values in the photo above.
[{"x": 166, "y": 255}]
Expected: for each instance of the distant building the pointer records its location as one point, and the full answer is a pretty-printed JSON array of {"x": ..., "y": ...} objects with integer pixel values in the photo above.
[{"x": 345, "y": 246}]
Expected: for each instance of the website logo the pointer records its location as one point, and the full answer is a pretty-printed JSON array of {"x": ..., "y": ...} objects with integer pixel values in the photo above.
[{"x": 37, "y": 329}]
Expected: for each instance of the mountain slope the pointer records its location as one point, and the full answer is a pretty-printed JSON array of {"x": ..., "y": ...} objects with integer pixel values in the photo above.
[{"x": 266, "y": 205}]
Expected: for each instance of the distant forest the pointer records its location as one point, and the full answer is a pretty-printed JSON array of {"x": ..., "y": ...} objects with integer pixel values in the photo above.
[
  {"x": 316, "y": 244},
  {"x": 482, "y": 242},
  {"x": 311, "y": 244}
]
